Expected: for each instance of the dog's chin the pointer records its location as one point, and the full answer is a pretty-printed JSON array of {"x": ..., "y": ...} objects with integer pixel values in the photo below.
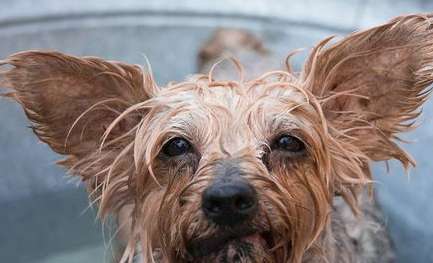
[{"x": 228, "y": 247}]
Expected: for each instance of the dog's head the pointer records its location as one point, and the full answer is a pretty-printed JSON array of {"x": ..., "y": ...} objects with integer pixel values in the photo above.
[{"x": 230, "y": 170}]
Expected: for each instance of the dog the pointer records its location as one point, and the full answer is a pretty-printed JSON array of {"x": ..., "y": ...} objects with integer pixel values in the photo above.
[{"x": 268, "y": 167}]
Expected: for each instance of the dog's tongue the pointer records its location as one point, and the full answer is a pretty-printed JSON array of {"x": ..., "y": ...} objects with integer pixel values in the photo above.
[
  {"x": 254, "y": 238},
  {"x": 230, "y": 249}
]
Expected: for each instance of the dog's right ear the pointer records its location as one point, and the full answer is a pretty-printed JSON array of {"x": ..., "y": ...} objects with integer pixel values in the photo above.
[
  {"x": 71, "y": 101},
  {"x": 372, "y": 84}
]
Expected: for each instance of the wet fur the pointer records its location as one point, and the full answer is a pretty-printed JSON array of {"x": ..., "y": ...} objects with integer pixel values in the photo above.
[{"x": 348, "y": 105}]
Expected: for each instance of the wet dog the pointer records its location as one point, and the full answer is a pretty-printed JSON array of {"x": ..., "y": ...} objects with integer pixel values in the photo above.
[{"x": 269, "y": 167}]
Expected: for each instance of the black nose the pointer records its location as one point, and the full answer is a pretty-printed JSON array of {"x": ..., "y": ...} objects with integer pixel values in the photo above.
[{"x": 229, "y": 203}]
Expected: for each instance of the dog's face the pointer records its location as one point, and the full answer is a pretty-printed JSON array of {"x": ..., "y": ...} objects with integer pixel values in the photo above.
[
  {"x": 230, "y": 170},
  {"x": 243, "y": 168}
]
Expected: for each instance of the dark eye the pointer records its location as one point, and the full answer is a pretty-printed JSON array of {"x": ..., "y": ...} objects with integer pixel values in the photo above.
[
  {"x": 176, "y": 146},
  {"x": 289, "y": 144}
]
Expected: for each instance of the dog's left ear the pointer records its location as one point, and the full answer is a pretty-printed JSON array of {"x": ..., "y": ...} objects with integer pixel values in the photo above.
[
  {"x": 371, "y": 83},
  {"x": 71, "y": 101}
]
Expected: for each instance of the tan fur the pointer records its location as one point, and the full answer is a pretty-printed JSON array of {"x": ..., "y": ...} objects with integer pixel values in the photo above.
[{"x": 348, "y": 105}]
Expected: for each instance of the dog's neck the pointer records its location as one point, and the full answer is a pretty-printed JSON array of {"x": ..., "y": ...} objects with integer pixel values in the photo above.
[{"x": 346, "y": 233}]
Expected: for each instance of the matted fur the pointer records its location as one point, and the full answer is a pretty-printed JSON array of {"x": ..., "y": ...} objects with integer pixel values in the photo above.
[{"x": 348, "y": 105}]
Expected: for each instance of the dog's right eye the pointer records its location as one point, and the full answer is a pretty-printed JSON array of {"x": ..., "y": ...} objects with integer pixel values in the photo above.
[
  {"x": 290, "y": 144},
  {"x": 176, "y": 146}
]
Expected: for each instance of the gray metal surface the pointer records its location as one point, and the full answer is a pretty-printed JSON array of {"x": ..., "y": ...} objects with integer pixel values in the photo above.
[{"x": 41, "y": 209}]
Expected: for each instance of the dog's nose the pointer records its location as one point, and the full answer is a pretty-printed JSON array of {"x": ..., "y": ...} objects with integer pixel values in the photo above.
[{"x": 229, "y": 203}]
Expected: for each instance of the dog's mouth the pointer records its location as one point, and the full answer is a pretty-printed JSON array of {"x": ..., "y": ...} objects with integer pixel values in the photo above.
[{"x": 232, "y": 246}]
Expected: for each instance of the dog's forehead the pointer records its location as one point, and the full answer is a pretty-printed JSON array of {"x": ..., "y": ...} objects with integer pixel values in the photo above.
[
  {"x": 240, "y": 114},
  {"x": 235, "y": 98}
]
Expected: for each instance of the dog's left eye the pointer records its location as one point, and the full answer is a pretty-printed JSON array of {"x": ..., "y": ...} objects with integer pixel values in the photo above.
[
  {"x": 289, "y": 143},
  {"x": 176, "y": 146}
]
